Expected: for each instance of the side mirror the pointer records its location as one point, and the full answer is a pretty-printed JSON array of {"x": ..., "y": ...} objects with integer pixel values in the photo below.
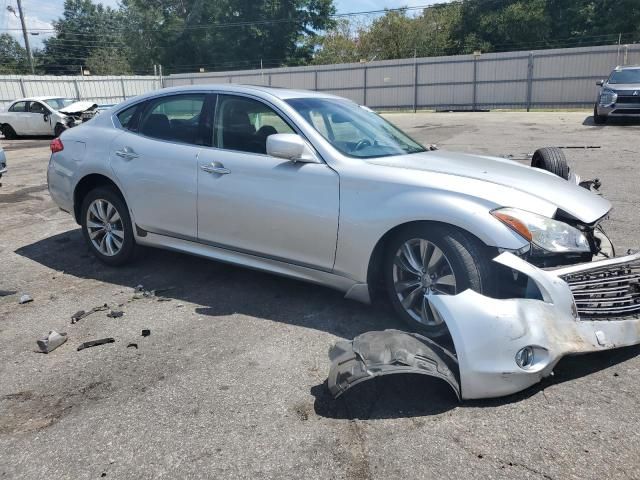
[
  {"x": 46, "y": 117},
  {"x": 600, "y": 83},
  {"x": 290, "y": 147}
]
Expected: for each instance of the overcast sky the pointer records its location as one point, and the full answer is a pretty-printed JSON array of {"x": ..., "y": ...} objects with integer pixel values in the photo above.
[{"x": 40, "y": 13}]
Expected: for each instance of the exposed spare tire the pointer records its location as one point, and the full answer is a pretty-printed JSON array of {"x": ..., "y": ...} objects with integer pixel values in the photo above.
[{"x": 552, "y": 160}]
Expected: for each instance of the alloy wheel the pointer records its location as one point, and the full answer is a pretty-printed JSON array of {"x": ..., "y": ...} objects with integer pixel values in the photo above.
[
  {"x": 421, "y": 270},
  {"x": 105, "y": 227}
]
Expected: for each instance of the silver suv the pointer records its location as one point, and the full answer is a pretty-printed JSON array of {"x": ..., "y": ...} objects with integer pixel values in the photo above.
[{"x": 619, "y": 95}]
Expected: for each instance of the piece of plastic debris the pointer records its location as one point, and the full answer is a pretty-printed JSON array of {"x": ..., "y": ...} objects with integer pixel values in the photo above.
[
  {"x": 115, "y": 313},
  {"x": 95, "y": 343},
  {"x": 79, "y": 315},
  {"x": 133, "y": 345},
  {"x": 146, "y": 332},
  {"x": 52, "y": 341},
  {"x": 25, "y": 298},
  {"x": 6, "y": 293},
  {"x": 139, "y": 288}
]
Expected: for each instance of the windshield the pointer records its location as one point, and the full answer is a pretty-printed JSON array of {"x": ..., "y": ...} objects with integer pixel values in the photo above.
[
  {"x": 625, "y": 76},
  {"x": 58, "y": 103},
  {"x": 353, "y": 130}
]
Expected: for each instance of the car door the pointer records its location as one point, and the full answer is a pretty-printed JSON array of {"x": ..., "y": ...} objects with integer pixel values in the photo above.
[
  {"x": 18, "y": 117},
  {"x": 155, "y": 160},
  {"x": 38, "y": 120},
  {"x": 251, "y": 202}
]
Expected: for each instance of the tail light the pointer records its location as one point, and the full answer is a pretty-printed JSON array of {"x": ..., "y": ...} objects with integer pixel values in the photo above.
[{"x": 56, "y": 145}]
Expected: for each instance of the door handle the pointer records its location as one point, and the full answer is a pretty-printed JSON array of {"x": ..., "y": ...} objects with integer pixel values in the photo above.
[
  {"x": 127, "y": 153},
  {"x": 216, "y": 168}
]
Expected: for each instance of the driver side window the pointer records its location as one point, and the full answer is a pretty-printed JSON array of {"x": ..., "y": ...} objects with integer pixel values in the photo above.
[
  {"x": 243, "y": 124},
  {"x": 36, "y": 107}
]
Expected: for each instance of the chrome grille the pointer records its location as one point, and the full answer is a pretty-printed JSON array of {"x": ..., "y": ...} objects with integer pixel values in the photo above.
[{"x": 609, "y": 290}]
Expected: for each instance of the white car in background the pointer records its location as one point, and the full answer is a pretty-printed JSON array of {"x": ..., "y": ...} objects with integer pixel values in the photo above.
[{"x": 44, "y": 116}]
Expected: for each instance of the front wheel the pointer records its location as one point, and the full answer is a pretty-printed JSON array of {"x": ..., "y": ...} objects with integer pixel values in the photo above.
[
  {"x": 598, "y": 119},
  {"x": 106, "y": 226},
  {"x": 8, "y": 132},
  {"x": 58, "y": 129},
  {"x": 424, "y": 260}
]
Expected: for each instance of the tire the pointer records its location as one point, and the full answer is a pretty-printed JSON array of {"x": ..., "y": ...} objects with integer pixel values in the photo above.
[
  {"x": 598, "y": 119},
  {"x": 58, "y": 129},
  {"x": 463, "y": 256},
  {"x": 114, "y": 244},
  {"x": 552, "y": 160},
  {"x": 8, "y": 132}
]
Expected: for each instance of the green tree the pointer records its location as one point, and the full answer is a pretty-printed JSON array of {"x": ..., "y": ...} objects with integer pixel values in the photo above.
[
  {"x": 83, "y": 29},
  {"x": 338, "y": 45},
  {"x": 183, "y": 35},
  {"x": 13, "y": 57},
  {"x": 108, "y": 61}
]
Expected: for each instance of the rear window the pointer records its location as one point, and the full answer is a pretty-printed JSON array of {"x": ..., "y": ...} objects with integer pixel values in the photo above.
[{"x": 127, "y": 116}]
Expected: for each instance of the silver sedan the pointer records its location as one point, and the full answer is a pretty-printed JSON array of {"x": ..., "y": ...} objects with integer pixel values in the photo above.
[{"x": 315, "y": 187}]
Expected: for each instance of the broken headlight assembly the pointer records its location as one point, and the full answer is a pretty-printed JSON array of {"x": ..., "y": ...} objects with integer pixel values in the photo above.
[{"x": 546, "y": 235}]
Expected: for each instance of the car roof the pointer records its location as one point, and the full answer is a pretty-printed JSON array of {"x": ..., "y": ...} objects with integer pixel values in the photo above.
[
  {"x": 37, "y": 99},
  {"x": 281, "y": 93},
  {"x": 626, "y": 67}
]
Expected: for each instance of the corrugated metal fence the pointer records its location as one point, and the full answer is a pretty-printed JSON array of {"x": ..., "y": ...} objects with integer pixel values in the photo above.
[
  {"x": 102, "y": 90},
  {"x": 537, "y": 79}
]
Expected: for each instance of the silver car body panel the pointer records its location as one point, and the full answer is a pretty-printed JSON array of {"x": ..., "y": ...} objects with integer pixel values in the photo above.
[
  {"x": 487, "y": 334},
  {"x": 326, "y": 217}
]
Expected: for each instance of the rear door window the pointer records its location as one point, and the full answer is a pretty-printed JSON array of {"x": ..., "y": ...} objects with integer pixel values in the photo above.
[
  {"x": 18, "y": 107},
  {"x": 179, "y": 118},
  {"x": 127, "y": 117}
]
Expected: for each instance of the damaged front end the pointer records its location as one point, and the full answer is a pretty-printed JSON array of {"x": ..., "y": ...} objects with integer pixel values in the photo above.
[
  {"x": 503, "y": 346},
  {"x": 79, "y": 112}
]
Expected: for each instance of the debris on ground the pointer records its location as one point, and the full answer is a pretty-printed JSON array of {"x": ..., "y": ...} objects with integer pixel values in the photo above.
[
  {"x": 115, "y": 313},
  {"x": 141, "y": 292},
  {"x": 146, "y": 332},
  {"x": 95, "y": 343},
  {"x": 6, "y": 293},
  {"x": 52, "y": 341},
  {"x": 133, "y": 345},
  {"x": 79, "y": 315},
  {"x": 25, "y": 298}
]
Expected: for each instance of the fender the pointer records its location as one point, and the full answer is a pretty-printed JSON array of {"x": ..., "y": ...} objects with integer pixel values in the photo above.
[{"x": 362, "y": 227}]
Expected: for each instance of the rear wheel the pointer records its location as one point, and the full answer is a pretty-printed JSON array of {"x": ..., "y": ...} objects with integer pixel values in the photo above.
[
  {"x": 8, "y": 132},
  {"x": 424, "y": 260},
  {"x": 106, "y": 226}
]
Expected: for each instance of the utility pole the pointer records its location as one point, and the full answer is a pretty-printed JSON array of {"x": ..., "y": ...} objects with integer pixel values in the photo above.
[{"x": 26, "y": 37}]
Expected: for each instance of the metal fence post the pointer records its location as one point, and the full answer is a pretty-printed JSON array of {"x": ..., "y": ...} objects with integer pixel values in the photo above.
[
  {"x": 475, "y": 83},
  {"x": 415, "y": 85},
  {"x": 529, "y": 81},
  {"x": 124, "y": 90},
  {"x": 364, "y": 100},
  {"x": 75, "y": 84},
  {"x": 315, "y": 80},
  {"x": 22, "y": 89},
  {"x": 269, "y": 79}
]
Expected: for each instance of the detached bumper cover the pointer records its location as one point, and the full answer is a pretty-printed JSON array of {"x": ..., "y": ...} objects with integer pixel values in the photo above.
[{"x": 488, "y": 332}]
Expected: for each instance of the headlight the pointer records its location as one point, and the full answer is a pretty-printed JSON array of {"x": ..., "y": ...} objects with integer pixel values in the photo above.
[
  {"x": 546, "y": 233},
  {"x": 607, "y": 97}
]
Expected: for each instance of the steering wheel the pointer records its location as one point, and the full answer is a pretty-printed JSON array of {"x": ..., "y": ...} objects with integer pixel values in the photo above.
[{"x": 362, "y": 144}]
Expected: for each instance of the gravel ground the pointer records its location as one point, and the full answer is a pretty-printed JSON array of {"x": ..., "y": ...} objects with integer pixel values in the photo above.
[{"x": 230, "y": 383}]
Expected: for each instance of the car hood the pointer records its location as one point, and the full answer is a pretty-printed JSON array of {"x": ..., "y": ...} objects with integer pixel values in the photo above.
[
  {"x": 578, "y": 202},
  {"x": 78, "y": 107},
  {"x": 623, "y": 86}
]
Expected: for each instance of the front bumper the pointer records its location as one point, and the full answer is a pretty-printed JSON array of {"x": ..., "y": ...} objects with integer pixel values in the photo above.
[
  {"x": 488, "y": 332},
  {"x": 583, "y": 308},
  {"x": 619, "y": 110}
]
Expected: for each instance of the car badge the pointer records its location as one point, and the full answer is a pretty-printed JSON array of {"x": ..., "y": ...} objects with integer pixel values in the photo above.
[{"x": 636, "y": 93}]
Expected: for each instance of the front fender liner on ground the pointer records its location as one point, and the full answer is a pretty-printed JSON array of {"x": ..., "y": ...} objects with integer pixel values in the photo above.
[{"x": 375, "y": 354}]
